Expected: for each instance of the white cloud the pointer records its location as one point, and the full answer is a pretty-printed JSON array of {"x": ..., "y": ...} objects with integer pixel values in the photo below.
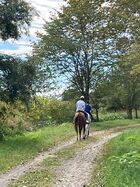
[
  {"x": 19, "y": 48},
  {"x": 44, "y": 8}
]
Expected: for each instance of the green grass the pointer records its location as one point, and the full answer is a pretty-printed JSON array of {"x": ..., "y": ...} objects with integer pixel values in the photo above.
[
  {"x": 44, "y": 174},
  {"x": 17, "y": 150},
  {"x": 114, "y": 123},
  {"x": 120, "y": 164}
]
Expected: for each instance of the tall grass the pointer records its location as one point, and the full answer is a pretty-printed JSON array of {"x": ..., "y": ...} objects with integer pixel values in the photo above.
[{"x": 120, "y": 166}]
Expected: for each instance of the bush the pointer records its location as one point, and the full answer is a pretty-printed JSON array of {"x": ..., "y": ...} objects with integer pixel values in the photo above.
[
  {"x": 12, "y": 121},
  {"x": 106, "y": 116},
  {"x": 50, "y": 111}
]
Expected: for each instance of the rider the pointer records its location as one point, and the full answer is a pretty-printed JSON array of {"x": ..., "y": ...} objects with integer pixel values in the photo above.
[
  {"x": 80, "y": 106},
  {"x": 88, "y": 109}
]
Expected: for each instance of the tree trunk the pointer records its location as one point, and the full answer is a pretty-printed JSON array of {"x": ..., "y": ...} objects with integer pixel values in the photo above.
[
  {"x": 129, "y": 113},
  {"x": 136, "y": 113},
  {"x": 96, "y": 111},
  {"x": 97, "y": 115},
  {"x": 130, "y": 106}
]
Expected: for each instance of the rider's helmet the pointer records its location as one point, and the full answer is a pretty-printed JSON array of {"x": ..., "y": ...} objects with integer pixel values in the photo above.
[{"x": 82, "y": 97}]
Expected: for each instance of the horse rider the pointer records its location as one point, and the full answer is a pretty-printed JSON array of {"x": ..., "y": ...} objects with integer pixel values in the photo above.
[
  {"x": 88, "y": 109},
  {"x": 81, "y": 105}
]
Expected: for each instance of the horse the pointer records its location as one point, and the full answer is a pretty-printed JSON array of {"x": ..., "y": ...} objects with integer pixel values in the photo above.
[
  {"x": 87, "y": 127},
  {"x": 79, "y": 124}
]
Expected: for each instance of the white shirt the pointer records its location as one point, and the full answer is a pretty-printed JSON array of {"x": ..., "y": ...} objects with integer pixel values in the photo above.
[{"x": 80, "y": 105}]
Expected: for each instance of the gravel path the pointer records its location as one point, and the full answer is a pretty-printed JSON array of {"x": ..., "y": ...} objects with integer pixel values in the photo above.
[{"x": 74, "y": 172}]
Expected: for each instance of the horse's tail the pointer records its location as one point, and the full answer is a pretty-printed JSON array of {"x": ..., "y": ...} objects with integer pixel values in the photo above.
[
  {"x": 79, "y": 123},
  {"x": 79, "y": 118}
]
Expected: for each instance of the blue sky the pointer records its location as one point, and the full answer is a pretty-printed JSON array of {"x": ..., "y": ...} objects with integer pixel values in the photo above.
[
  {"x": 23, "y": 46},
  {"x": 8, "y": 46}
]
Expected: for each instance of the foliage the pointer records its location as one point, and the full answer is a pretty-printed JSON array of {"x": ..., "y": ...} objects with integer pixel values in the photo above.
[
  {"x": 15, "y": 16},
  {"x": 120, "y": 165},
  {"x": 112, "y": 116},
  {"x": 84, "y": 40},
  {"x": 114, "y": 123},
  {"x": 16, "y": 118},
  {"x": 46, "y": 111},
  {"x": 18, "y": 79},
  {"x": 12, "y": 121},
  {"x": 70, "y": 94},
  {"x": 120, "y": 90},
  {"x": 127, "y": 84},
  {"x": 130, "y": 159}
]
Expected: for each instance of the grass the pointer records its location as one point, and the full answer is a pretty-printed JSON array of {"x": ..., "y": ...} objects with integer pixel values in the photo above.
[
  {"x": 114, "y": 123},
  {"x": 44, "y": 175},
  {"x": 120, "y": 164},
  {"x": 19, "y": 149}
]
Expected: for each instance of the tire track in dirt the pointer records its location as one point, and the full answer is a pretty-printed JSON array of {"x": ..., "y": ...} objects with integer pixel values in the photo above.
[{"x": 76, "y": 171}]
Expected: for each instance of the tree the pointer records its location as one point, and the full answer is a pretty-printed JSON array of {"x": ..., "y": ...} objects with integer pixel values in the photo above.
[
  {"x": 15, "y": 16},
  {"x": 85, "y": 38},
  {"x": 127, "y": 81},
  {"x": 18, "y": 79},
  {"x": 70, "y": 94},
  {"x": 131, "y": 71},
  {"x": 74, "y": 42}
]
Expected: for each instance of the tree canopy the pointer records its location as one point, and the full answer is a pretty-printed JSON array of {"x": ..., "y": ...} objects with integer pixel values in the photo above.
[
  {"x": 84, "y": 40},
  {"x": 15, "y": 16},
  {"x": 17, "y": 79}
]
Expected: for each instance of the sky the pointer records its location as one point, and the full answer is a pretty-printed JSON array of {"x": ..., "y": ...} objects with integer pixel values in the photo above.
[{"x": 23, "y": 46}]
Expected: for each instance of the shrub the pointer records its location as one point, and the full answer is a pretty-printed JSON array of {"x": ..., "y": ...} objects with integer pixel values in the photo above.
[
  {"x": 12, "y": 121},
  {"x": 106, "y": 116},
  {"x": 50, "y": 111}
]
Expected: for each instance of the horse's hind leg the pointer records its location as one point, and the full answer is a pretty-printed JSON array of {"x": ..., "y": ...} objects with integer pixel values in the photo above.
[
  {"x": 80, "y": 130},
  {"x": 84, "y": 135},
  {"x": 76, "y": 129}
]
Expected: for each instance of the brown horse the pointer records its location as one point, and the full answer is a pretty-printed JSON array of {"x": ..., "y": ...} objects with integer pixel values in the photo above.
[{"x": 79, "y": 124}]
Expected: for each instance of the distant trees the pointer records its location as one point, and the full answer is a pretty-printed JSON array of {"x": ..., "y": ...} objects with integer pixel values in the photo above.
[
  {"x": 121, "y": 89},
  {"x": 127, "y": 79},
  {"x": 86, "y": 42}
]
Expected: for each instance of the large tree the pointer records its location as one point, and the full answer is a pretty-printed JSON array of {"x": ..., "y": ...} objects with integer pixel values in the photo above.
[
  {"x": 82, "y": 40},
  {"x": 15, "y": 16}
]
